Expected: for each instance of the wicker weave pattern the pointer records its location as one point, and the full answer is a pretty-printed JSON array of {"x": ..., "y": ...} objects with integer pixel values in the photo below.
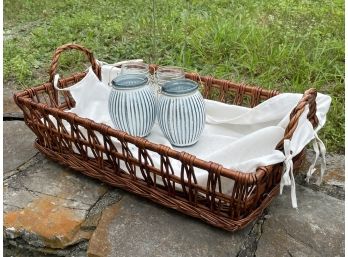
[{"x": 252, "y": 192}]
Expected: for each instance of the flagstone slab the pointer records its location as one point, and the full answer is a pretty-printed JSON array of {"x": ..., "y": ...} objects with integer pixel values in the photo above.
[
  {"x": 315, "y": 229},
  {"x": 333, "y": 179},
  {"x": 18, "y": 146},
  {"x": 334, "y": 174},
  {"x": 8, "y": 103},
  {"x": 52, "y": 209},
  {"x": 137, "y": 227},
  {"x": 46, "y": 204}
]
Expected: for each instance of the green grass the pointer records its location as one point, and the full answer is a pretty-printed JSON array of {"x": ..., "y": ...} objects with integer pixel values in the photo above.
[{"x": 281, "y": 44}]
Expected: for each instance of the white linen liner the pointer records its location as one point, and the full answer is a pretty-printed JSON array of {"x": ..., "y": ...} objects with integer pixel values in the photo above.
[{"x": 237, "y": 137}]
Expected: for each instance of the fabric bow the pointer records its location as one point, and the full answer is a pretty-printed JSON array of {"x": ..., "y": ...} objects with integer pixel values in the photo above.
[
  {"x": 319, "y": 149},
  {"x": 288, "y": 178}
]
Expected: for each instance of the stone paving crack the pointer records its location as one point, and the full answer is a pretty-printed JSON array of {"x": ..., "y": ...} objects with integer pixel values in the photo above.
[
  {"x": 68, "y": 207},
  {"x": 53, "y": 195},
  {"x": 12, "y": 205},
  {"x": 94, "y": 213},
  {"x": 250, "y": 243},
  {"x": 290, "y": 254},
  {"x": 12, "y": 116},
  {"x": 31, "y": 161},
  {"x": 96, "y": 202}
]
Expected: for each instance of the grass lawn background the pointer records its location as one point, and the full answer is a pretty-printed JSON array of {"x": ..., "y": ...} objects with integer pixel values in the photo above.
[{"x": 280, "y": 44}]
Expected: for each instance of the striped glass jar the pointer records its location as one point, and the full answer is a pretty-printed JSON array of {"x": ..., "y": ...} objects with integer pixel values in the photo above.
[
  {"x": 165, "y": 74},
  {"x": 181, "y": 113},
  {"x": 132, "y": 104}
]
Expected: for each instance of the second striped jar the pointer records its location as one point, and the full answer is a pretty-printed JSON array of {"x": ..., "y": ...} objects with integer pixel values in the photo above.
[
  {"x": 181, "y": 114},
  {"x": 132, "y": 104}
]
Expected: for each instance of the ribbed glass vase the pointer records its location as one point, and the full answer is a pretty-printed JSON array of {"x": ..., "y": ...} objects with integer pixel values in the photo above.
[
  {"x": 132, "y": 104},
  {"x": 181, "y": 113}
]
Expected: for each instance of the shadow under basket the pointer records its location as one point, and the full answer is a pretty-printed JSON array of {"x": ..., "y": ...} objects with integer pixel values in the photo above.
[{"x": 45, "y": 114}]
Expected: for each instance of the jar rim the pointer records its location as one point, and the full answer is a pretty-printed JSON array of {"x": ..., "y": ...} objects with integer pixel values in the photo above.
[
  {"x": 170, "y": 68},
  {"x": 134, "y": 68},
  {"x": 179, "y": 87},
  {"x": 172, "y": 71},
  {"x": 127, "y": 81}
]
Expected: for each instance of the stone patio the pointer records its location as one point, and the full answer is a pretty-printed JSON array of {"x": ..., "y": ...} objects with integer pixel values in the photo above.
[{"x": 50, "y": 210}]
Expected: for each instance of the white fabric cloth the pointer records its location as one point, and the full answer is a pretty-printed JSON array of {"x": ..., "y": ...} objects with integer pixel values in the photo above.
[{"x": 239, "y": 138}]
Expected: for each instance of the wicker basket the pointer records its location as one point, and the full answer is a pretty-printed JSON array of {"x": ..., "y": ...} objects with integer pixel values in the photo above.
[{"x": 252, "y": 192}]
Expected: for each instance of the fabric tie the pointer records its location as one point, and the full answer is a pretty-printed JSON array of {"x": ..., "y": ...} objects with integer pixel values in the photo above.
[
  {"x": 56, "y": 82},
  {"x": 288, "y": 178},
  {"x": 319, "y": 149}
]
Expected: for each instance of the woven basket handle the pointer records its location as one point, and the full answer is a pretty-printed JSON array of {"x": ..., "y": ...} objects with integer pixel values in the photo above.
[
  {"x": 309, "y": 97},
  {"x": 54, "y": 64}
]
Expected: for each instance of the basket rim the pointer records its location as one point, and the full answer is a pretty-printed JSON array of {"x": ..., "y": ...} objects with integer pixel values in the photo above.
[{"x": 248, "y": 177}]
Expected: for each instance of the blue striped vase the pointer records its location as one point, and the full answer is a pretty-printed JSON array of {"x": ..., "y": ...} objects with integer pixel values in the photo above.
[
  {"x": 181, "y": 113},
  {"x": 132, "y": 104}
]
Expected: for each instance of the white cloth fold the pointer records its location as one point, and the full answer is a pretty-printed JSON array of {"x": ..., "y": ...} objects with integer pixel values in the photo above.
[
  {"x": 288, "y": 178},
  {"x": 237, "y": 137}
]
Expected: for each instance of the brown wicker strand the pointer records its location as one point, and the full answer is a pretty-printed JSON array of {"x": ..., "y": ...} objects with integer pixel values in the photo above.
[
  {"x": 309, "y": 98},
  {"x": 54, "y": 64}
]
